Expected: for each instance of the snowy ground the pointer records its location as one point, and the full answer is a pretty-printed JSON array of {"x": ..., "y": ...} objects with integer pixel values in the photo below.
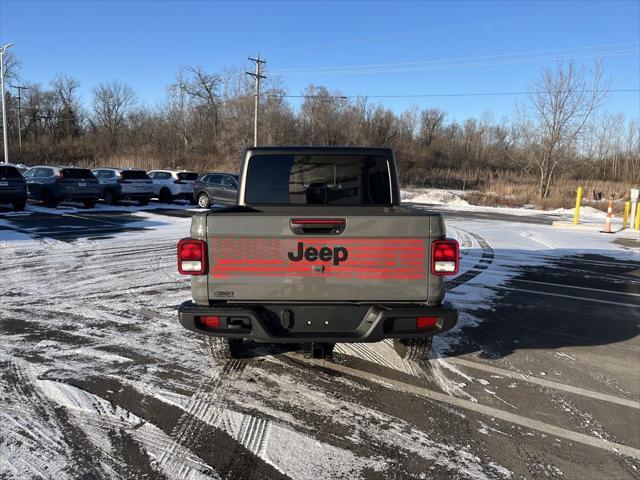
[{"x": 98, "y": 380}]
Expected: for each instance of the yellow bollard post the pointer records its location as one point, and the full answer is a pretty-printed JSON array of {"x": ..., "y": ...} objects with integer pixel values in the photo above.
[
  {"x": 625, "y": 217},
  {"x": 638, "y": 219},
  {"x": 576, "y": 215}
]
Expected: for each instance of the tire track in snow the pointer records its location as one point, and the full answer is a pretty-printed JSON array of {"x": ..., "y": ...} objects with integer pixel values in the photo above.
[
  {"x": 95, "y": 412},
  {"x": 254, "y": 434},
  {"x": 30, "y": 434},
  {"x": 486, "y": 259},
  {"x": 29, "y": 397},
  {"x": 204, "y": 407}
]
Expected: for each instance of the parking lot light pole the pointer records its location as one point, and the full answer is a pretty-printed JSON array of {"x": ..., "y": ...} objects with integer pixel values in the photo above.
[{"x": 4, "y": 106}]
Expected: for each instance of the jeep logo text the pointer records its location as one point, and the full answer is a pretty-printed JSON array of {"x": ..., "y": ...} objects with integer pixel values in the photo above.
[{"x": 325, "y": 254}]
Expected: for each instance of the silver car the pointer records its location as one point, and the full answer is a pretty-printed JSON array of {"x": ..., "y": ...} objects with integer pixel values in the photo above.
[
  {"x": 117, "y": 184},
  {"x": 170, "y": 185}
]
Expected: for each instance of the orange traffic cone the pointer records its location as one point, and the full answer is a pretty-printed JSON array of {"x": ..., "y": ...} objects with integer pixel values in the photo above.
[{"x": 607, "y": 220}]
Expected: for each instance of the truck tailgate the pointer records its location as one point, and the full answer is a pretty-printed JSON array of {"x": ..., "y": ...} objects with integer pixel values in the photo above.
[{"x": 375, "y": 258}]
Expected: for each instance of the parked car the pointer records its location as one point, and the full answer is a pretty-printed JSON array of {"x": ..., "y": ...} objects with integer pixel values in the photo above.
[
  {"x": 170, "y": 185},
  {"x": 22, "y": 167},
  {"x": 13, "y": 187},
  {"x": 117, "y": 184},
  {"x": 53, "y": 185},
  {"x": 211, "y": 188}
]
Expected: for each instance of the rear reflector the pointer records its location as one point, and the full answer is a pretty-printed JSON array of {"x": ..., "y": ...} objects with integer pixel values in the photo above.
[
  {"x": 192, "y": 256},
  {"x": 426, "y": 322},
  {"x": 444, "y": 257},
  {"x": 209, "y": 321}
]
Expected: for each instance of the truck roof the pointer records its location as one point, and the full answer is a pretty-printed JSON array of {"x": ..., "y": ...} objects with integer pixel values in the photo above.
[{"x": 305, "y": 149}]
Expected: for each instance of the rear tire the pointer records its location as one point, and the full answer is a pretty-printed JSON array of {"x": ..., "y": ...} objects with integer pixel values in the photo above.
[
  {"x": 220, "y": 348},
  {"x": 48, "y": 200},
  {"x": 19, "y": 206},
  {"x": 89, "y": 203},
  {"x": 413, "y": 348},
  {"x": 203, "y": 200},
  {"x": 110, "y": 197},
  {"x": 165, "y": 196},
  {"x": 143, "y": 201}
]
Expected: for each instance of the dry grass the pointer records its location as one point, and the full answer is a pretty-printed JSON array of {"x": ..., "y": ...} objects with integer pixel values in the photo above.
[
  {"x": 563, "y": 194},
  {"x": 518, "y": 188}
]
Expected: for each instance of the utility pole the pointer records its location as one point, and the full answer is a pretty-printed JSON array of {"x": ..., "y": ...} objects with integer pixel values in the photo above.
[
  {"x": 258, "y": 77},
  {"x": 19, "y": 88},
  {"x": 4, "y": 106}
]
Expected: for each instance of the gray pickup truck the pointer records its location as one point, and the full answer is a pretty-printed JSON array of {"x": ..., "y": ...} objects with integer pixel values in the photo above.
[{"x": 318, "y": 251}]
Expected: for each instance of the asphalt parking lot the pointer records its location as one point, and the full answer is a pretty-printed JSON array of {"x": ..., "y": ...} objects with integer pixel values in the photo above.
[{"x": 540, "y": 379}]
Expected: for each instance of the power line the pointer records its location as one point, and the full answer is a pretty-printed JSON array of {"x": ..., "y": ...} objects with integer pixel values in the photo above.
[
  {"x": 429, "y": 95},
  {"x": 458, "y": 59},
  {"x": 440, "y": 65}
]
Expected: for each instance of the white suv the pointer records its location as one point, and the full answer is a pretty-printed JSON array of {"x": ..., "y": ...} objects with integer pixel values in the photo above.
[{"x": 169, "y": 185}]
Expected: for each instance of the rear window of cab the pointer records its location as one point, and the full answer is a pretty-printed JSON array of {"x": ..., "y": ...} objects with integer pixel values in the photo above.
[{"x": 318, "y": 180}]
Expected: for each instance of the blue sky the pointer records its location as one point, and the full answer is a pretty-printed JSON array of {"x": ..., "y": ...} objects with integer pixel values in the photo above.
[{"x": 420, "y": 47}]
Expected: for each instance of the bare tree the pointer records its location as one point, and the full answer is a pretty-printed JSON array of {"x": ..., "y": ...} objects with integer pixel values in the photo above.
[
  {"x": 323, "y": 116},
  {"x": 111, "y": 103},
  {"x": 11, "y": 66},
  {"x": 68, "y": 118},
  {"x": 430, "y": 123},
  {"x": 204, "y": 89},
  {"x": 562, "y": 100}
]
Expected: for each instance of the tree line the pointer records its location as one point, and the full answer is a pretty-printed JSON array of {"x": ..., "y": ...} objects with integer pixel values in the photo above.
[{"x": 206, "y": 120}]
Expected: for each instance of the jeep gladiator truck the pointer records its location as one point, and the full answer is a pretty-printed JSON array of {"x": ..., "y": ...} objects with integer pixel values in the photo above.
[{"x": 318, "y": 251}]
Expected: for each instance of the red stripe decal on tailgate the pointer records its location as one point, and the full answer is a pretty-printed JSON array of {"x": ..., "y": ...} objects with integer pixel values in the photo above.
[{"x": 375, "y": 259}]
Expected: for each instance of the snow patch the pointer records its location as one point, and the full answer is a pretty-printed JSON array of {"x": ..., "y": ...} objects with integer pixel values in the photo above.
[{"x": 433, "y": 197}]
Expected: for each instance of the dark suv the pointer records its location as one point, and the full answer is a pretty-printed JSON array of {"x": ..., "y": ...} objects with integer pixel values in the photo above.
[
  {"x": 117, "y": 184},
  {"x": 13, "y": 188},
  {"x": 53, "y": 185},
  {"x": 211, "y": 188}
]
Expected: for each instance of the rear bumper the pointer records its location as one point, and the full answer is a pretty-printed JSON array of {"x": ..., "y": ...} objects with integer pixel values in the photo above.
[
  {"x": 136, "y": 195},
  {"x": 279, "y": 323},
  {"x": 13, "y": 196},
  {"x": 80, "y": 196}
]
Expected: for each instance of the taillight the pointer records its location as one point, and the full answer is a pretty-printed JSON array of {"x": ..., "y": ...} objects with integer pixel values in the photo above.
[
  {"x": 192, "y": 256},
  {"x": 444, "y": 257},
  {"x": 426, "y": 322},
  {"x": 210, "y": 321}
]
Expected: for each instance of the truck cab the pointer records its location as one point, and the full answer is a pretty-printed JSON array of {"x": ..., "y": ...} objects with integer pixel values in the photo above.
[{"x": 318, "y": 250}]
